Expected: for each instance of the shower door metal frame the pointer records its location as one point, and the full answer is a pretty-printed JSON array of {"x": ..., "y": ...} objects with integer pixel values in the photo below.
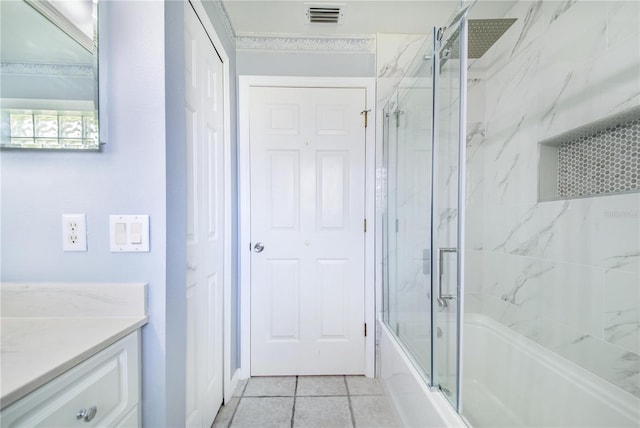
[
  {"x": 462, "y": 181},
  {"x": 438, "y": 37},
  {"x": 435, "y": 63}
]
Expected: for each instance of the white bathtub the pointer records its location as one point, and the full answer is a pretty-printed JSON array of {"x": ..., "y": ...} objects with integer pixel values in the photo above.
[
  {"x": 415, "y": 404},
  {"x": 509, "y": 381}
]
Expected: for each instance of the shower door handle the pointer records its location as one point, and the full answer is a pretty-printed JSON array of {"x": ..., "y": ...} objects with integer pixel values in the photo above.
[{"x": 442, "y": 298}]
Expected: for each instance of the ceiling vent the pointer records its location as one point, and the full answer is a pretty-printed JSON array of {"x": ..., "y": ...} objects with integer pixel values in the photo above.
[{"x": 324, "y": 14}]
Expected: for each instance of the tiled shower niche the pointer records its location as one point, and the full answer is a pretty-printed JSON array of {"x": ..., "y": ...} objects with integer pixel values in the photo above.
[{"x": 597, "y": 159}]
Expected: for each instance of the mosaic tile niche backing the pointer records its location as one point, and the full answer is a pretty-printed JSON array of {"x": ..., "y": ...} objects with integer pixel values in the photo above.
[{"x": 607, "y": 161}]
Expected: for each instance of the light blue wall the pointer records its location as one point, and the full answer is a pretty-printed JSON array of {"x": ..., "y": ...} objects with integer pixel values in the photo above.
[
  {"x": 341, "y": 64},
  {"x": 176, "y": 191},
  {"x": 130, "y": 176},
  {"x": 141, "y": 170}
]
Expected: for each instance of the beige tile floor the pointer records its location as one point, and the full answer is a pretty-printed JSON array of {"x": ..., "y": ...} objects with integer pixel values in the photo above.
[{"x": 307, "y": 402}]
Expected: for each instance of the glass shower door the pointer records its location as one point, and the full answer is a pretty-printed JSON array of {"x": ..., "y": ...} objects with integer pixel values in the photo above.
[
  {"x": 411, "y": 226},
  {"x": 393, "y": 296},
  {"x": 447, "y": 205},
  {"x": 406, "y": 219}
]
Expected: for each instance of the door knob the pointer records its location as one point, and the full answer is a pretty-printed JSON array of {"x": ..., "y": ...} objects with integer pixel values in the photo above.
[{"x": 258, "y": 247}]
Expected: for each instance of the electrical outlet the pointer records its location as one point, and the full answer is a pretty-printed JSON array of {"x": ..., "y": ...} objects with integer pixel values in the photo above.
[{"x": 74, "y": 232}]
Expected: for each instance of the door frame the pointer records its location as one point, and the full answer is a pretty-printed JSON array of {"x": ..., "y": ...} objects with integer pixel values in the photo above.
[
  {"x": 229, "y": 380},
  {"x": 245, "y": 83}
]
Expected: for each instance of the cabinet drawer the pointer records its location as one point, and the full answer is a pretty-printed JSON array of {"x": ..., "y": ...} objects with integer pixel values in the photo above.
[
  {"x": 132, "y": 420},
  {"x": 106, "y": 386}
]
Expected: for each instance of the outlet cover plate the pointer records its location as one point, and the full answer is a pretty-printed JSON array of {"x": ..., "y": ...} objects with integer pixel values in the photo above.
[{"x": 74, "y": 232}]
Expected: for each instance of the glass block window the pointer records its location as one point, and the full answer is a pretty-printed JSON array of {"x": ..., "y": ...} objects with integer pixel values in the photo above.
[
  {"x": 607, "y": 161},
  {"x": 46, "y": 129}
]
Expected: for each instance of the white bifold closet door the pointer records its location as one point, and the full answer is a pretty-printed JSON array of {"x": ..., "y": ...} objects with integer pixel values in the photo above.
[{"x": 205, "y": 223}]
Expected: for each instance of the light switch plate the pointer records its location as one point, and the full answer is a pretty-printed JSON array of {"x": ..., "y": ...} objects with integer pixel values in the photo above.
[{"x": 129, "y": 233}]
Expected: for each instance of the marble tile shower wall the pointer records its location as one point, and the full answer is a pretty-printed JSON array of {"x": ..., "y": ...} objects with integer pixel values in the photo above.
[
  {"x": 394, "y": 55},
  {"x": 564, "y": 273}
]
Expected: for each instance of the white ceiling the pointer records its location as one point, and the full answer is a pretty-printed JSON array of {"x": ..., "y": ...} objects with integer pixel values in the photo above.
[{"x": 361, "y": 17}]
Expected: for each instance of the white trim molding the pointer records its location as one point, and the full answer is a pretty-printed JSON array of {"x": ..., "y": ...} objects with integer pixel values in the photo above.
[
  {"x": 47, "y": 69},
  {"x": 244, "y": 184},
  {"x": 279, "y": 42},
  {"x": 224, "y": 16},
  {"x": 306, "y": 44}
]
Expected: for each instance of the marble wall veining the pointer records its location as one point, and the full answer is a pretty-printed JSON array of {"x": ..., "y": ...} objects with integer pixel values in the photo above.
[
  {"x": 394, "y": 56},
  {"x": 404, "y": 189},
  {"x": 395, "y": 53},
  {"x": 565, "y": 273}
]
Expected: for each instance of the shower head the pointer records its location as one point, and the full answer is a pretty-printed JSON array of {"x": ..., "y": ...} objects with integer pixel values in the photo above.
[{"x": 482, "y": 34}]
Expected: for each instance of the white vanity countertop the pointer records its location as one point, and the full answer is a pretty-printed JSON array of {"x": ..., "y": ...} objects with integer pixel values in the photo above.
[{"x": 48, "y": 328}]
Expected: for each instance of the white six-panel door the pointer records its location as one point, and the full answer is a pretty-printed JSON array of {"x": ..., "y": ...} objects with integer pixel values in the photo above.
[
  {"x": 205, "y": 223},
  {"x": 307, "y": 211}
]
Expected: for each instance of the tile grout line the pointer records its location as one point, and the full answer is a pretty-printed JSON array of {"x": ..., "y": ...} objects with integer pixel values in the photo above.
[
  {"x": 311, "y": 396},
  {"x": 353, "y": 418},
  {"x": 233, "y": 415},
  {"x": 275, "y": 396},
  {"x": 295, "y": 395},
  {"x": 293, "y": 410}
]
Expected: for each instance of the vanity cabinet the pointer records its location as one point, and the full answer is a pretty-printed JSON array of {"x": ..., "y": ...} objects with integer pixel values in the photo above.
[{"x": 103, "y": 390}]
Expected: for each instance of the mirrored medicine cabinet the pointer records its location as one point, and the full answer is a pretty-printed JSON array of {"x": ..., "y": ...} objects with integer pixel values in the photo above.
[{"x": 49, "y": 75}]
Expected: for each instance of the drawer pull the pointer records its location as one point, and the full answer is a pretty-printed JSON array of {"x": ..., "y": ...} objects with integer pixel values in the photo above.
[{"x": 87, "y": 415}]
